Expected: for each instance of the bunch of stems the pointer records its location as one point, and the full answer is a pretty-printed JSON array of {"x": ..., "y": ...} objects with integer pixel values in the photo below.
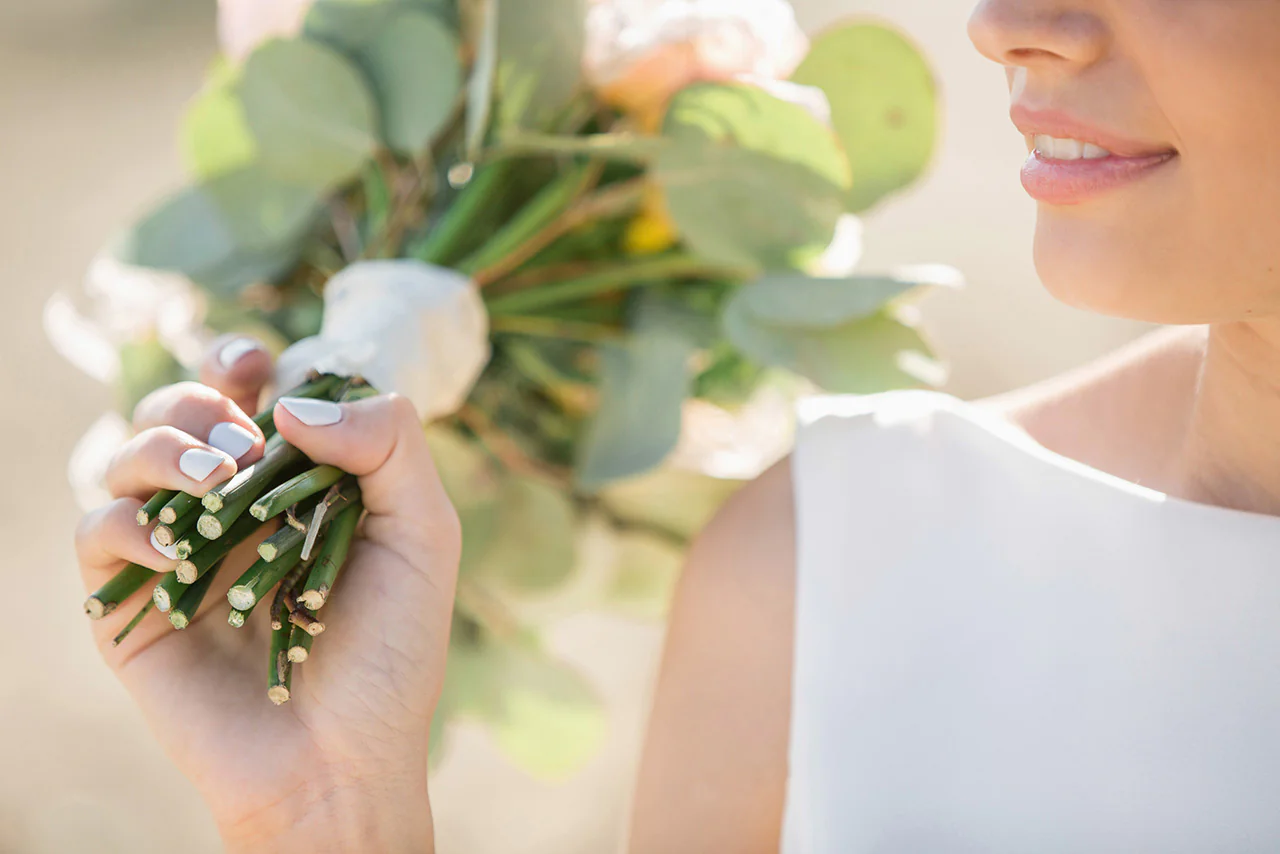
[{"x": 314, "y": 511}]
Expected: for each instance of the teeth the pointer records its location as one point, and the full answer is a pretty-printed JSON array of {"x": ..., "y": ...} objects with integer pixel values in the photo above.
[{"x": 1068, "y": 149}]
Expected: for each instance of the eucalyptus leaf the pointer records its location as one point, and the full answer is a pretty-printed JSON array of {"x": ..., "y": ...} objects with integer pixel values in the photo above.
[
  {"x": 787, "y": 298},
  {"x": 240, "y": 217},
  {"x": 480, "y": 89},
  {"x": 348, "y": 25},
  {"x": 643, "y": 384},
  {"x": 865, "y": 356},
  {"x": 884, "y": 105},
  {"x": 249, "y": 266},
  {"x": 751, "y": 179},
  {"x": 644, "y": 575},
  {"x": 310, "y": 111},
  {"x": 215, "y": 137},
  {"x": 678, "y": 502},
  {"x": 540, "y": 47},
  {"x": 413, "y": 64},
  {"x": 531, "y": 546}
]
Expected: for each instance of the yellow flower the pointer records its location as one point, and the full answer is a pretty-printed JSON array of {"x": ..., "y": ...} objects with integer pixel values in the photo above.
[{"x": 652, "y": 230}]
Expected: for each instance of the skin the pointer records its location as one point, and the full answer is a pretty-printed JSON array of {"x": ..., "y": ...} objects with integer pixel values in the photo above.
[{"x": 1188, "y": 412}]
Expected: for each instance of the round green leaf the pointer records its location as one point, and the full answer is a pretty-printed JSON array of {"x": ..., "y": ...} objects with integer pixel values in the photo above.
[
  {"x": 540, "y": 49},
  {"x": 752, "y": 180},
  {"x": 311, "y": 113},
  {"x": 884, "y": 105},
  {"x": 215, "y": 136},
  {"x": 413, "y": 64},
  {"x": 531, "y": 542},
  {"x": 241, "y": 217},
  {"x": 787, "y": 298},
  {"x": 866, "y": 356},
  {"x": 348, "y": 24}
]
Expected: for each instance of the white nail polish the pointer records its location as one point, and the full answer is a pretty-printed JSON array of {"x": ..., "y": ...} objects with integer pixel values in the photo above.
[
  {"x": 313, "y": 413},
  {"x": 198, "y": 463},
  {"x": 171, "y": 552},
  {"x": 232, "y": 439},
  {"x": 235, "y": 350}
]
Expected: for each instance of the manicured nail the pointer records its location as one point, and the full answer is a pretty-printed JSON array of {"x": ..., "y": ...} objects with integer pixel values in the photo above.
[
  {"x": 313, "y": 413},
  {"x": 231, "y": 439},
  {"x": 198, "y": 463},
  {"x": 235, "y": 350},
  {"x": 171, "y": 552}
]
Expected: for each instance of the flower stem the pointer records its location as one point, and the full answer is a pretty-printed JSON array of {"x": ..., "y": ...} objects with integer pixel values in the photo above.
[
  {"x": 260, "y": 578},
  {"x": 194, "y": 567},
  {"x": 152, "y": 508},
  {"x": 287, "y": 538},
  {"x": 300, "y": 643},
  {"x": 458, "y": 222},
  {"x": 613, "y": 277},
  {"x": 227, "y": 503},
  {"x": 178, "y": 506},
  {"x": 280, "y": 605},
  {"x": 168, "y": 591},
  {"x": 134, "y": 623},
  {"x": 167, "y": 535},
  {"x": 122, "y": 585},
  {"x": 181, "y": 614},
  {"x": 300, "y": 488},
  {"x": 550, "y": 327},
  {"x": 280, "y": 678},
  {"x": 332, "y": 557}
]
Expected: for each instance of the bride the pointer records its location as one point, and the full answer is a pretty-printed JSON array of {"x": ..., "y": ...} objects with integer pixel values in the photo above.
[{"x": 1046, "y": 623}]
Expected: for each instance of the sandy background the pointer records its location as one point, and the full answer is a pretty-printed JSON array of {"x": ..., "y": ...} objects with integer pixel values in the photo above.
[{"x": 89, "y": 94}]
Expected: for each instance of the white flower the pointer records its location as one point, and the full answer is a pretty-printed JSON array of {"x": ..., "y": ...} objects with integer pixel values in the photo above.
[
  {"x": 640, "y": 52},
  {"x": 124, "y": 303},
  {"x": 245, "y": 24},
  {"x": 87, "y": 468},
  {"x": 405, "y": 326}
]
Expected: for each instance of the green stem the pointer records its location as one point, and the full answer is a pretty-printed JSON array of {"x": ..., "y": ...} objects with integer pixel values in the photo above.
[
  {"x": 122, "y": 585},
  {"x": 134, "y": 623},
  {"x": 249, "y": 589},
  {"x": 152, "y": 508},
  {"x": 178, "y": 506},
  {"x": 550, "y": 327},
  {"x": 611, "y": 146},
  {"x": 298, "y": 489},
  {"x": 227, "y": 503},
  {"x": 280, "y": 605},
  {"x": 193, "y": 568},
  {"x": 538, "y": 213},
  {"x": 287, "y": 538},
  {"x": 181, "y": 614},
  {"x": 280, "y": 677},
  {"x": 168, "y": 591},
  {"x": 236, "y": 619},
  {"x": 320, "y": 387},
  {"x": 332, "y": 557},
  {"x": 167, "y": 535},
  {"x": 458, "y": 222},
  {"x": 300, "y": 642},
  {"x": 610, "y": 278}
]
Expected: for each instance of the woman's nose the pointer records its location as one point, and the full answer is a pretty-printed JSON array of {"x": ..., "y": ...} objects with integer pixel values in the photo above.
[{"x": 1031, "y": 33}]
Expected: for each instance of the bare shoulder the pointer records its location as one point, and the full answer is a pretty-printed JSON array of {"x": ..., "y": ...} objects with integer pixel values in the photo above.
[
  {"x": 715, "y": 765},
  {"x": 1125, "y": 414}
]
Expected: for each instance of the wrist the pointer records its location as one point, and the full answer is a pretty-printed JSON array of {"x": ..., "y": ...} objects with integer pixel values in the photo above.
[{"x": 390, "y": 813}]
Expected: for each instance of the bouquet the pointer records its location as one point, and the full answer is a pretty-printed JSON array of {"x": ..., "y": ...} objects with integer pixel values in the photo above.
[{"x": 595, "y": 245}]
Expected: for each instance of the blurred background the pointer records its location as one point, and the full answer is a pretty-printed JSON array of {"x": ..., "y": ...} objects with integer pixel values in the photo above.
[{"x": 90, "y": 93}]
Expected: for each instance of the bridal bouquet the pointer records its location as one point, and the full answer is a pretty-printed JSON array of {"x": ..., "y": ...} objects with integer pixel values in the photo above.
[{"x": 585, "y": 240}]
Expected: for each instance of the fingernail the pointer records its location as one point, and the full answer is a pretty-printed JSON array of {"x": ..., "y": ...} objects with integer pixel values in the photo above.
[
  {"x": 313, "y": 413},
  {"x": 231, "y": 439},
  {"x": 198, "y": 463},
  {"x": 235, "y": 350},
  {"x": 171, "y": 552}
]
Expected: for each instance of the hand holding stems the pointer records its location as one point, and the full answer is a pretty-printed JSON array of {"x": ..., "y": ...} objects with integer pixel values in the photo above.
[{"x": 343, "y": 766}]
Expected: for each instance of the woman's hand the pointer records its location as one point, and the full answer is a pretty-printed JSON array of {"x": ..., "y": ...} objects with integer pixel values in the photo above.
[{"x": 342, "y": 767}]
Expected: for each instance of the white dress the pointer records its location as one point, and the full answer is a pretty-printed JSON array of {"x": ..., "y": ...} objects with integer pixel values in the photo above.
[{"x": 999, "y": 650}]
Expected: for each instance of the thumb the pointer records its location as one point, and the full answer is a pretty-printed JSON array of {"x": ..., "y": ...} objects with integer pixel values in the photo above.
[{"x": 380, "y": 441}]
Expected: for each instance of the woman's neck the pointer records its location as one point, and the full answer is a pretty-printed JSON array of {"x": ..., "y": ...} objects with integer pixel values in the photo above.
[{"x": 1231, "y": 456}]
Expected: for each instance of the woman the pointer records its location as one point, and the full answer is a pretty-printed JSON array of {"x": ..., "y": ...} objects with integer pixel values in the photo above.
[{"x": 1047, "y": 624}]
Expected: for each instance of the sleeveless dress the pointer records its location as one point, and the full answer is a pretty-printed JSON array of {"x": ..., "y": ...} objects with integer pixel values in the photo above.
[{"x": 1001, "y": 651}]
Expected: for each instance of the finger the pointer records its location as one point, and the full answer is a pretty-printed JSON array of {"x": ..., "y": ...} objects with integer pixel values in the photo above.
[
  {"x": 205, "y": 413},
  {"x": 381, "y": 441},
  {"x": 167, "y": 458},
  {"x": 239, "y": 367},
  {"x": 109, "y": 537}
]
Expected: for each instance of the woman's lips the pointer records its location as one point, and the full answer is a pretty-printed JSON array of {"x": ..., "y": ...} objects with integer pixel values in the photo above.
[{"x": 1073, "y": 182}]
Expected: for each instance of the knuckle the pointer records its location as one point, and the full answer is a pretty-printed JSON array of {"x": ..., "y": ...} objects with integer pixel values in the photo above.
[{"x": 402, "y": 410}]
